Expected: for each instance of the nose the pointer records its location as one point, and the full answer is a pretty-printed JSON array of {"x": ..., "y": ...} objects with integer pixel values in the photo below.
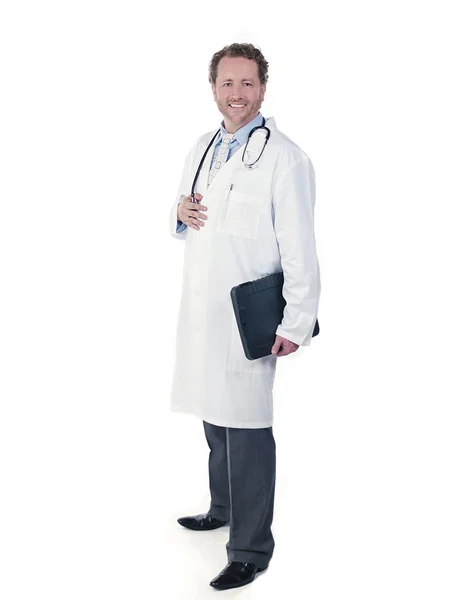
[{"x": 237, "y": 92}]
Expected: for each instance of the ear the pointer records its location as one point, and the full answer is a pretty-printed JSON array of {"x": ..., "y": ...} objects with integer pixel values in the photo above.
[
  {"x": 263, "y": 91},
  {"x": 213, "y": 87}
]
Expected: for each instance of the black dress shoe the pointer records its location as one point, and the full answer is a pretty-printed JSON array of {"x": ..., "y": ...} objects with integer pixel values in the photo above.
[
  {"x": 236, "y": 574},
  {"x": 203, "y": 522}
]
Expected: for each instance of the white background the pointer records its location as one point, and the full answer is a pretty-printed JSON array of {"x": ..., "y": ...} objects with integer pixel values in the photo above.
[{"x": 100, "y": 102}]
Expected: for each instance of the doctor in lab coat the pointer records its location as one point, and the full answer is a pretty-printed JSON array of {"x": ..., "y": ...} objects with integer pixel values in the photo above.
[{"x": 248, "y": 223}]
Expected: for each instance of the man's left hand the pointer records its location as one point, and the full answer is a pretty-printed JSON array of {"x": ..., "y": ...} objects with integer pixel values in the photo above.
[{"x": 283, "y": 347}]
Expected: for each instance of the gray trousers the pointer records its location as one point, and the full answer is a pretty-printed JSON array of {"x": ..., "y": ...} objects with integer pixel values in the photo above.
[{"x": 242, "y": 484}]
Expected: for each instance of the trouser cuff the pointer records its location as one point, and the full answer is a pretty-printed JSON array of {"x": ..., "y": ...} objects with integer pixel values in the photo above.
[{"x": 260, "y": 560}]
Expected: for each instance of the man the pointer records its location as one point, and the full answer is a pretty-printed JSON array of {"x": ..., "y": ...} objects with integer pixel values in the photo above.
[{"x": 244, "y": 223}]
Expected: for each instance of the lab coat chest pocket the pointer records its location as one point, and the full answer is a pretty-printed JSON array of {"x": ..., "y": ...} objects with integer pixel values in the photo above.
[{"x": 241, "y": 213}]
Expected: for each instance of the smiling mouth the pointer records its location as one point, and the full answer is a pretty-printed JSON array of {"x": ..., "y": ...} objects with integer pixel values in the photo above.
[{"x": 237, "y": 106}]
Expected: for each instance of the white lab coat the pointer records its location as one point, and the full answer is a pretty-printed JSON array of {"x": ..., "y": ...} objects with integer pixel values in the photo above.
[{"x": 263, "y": 225}]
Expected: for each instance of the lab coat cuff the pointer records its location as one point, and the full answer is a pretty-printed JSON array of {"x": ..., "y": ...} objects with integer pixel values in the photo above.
[
  {"x": 301, "y": 340},
  {"x": 175, "y": 229}
]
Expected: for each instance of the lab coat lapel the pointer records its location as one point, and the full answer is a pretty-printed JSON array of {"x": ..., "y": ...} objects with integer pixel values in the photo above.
[{"x": 228, "y": 168}]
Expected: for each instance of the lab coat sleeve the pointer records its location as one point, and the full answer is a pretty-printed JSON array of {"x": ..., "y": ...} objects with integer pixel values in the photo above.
[
  {"x": 178, "y": 229},
  {"x": 293, "y": 204}
]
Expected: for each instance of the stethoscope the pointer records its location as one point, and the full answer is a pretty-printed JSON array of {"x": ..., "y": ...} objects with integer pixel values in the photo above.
[{"x": 246, "y": 165}]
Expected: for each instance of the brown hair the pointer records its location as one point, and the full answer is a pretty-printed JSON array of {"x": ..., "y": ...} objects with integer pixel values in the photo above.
[{"x": 242, "y": 51}]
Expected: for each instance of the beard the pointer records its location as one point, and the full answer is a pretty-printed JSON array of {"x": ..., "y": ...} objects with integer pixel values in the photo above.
[{"x": 239, "y": 116}]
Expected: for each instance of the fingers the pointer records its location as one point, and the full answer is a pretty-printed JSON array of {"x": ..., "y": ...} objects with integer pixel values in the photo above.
[
  {"x": 190, "y": 223},
  {"x": 286, "y": 350},
  {"x": 194, "y": 221},
  {"x": 194, "y": 218},
  {"x": 275, "y": 350},
  {"x": 197, "y": 215},
  {"x": 190, "y": 212},
  {"x": 283, "y": 347},
  {"x": 193, "y": 205},
  {"x": 283, "y": 352}
]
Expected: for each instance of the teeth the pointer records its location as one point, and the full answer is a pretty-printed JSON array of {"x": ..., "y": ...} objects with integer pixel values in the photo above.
[{"x": 237, "y": 105}]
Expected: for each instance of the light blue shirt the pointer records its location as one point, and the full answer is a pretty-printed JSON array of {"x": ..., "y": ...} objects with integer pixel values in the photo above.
[{"x": 239, "y": 139}]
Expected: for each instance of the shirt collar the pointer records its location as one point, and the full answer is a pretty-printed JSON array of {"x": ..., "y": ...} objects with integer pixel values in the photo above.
[{"x": 241, "y": 135}]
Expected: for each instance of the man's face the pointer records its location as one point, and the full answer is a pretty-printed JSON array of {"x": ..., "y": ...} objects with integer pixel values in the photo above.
[{"x": 238, "y": 83}]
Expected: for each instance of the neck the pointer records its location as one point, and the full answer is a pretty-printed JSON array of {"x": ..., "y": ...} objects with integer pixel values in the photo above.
[{"x": 233, "y": 127}]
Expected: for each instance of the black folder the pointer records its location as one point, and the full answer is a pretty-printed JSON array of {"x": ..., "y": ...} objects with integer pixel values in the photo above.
[{"x": 258, "y": 306}]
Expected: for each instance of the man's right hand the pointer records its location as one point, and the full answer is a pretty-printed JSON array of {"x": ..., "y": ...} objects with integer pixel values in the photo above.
[{"x": 188, "y": 212}]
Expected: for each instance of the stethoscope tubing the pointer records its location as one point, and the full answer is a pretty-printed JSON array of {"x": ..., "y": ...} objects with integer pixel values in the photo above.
[
  {"x": 250, "y": 166},
  {"x": 243, "y": 154}
]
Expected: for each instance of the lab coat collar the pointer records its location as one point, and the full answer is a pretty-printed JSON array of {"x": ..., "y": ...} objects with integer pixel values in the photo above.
[
  {"x": 229, "y": 165},
  {"x": 241, "y": 135}
]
